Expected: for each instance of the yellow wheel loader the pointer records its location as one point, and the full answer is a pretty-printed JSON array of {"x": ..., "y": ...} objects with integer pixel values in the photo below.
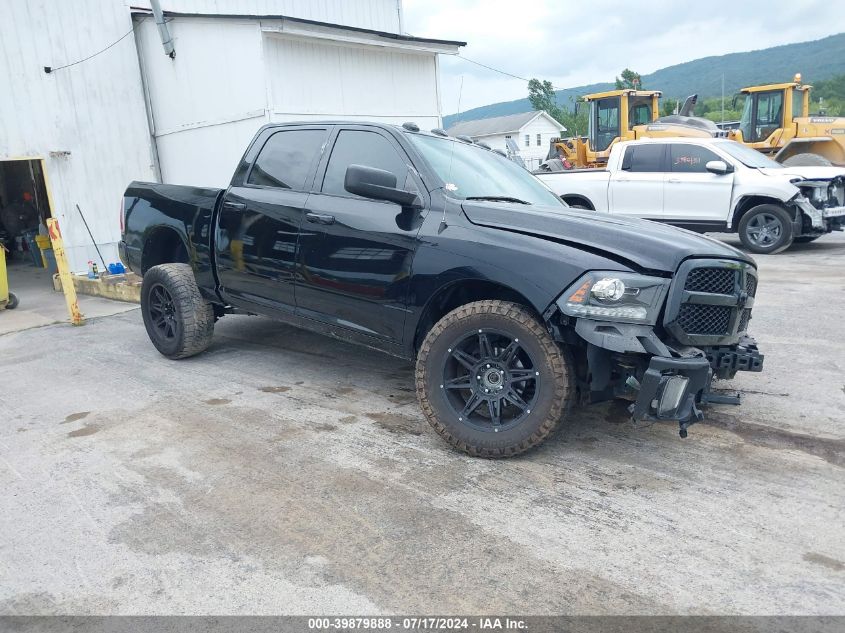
[
  {"x": 623, "y": 115},
  {"x": 776, "y": 120}
]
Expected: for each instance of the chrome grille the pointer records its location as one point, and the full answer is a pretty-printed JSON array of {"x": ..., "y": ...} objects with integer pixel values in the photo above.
[
  {"x": 700, "y": 319},
  {"x": 712, "y": 280}
]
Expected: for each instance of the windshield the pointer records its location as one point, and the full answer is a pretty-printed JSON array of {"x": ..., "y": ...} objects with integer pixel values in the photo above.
[
  {"x": 479, "y": 173},
  {"x": 747, "y": 156}
]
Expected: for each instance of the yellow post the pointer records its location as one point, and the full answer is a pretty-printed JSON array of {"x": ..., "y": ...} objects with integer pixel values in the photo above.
[
  {"x": 4, "y": 280},
  {"x": 64, "y": 272}
]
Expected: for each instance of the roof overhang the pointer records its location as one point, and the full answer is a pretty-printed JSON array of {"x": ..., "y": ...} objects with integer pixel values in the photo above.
[{"x": 339, "y": 33}]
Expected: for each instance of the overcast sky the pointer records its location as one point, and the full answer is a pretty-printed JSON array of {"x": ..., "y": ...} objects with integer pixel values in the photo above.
[{"x": 576, "y": 42}]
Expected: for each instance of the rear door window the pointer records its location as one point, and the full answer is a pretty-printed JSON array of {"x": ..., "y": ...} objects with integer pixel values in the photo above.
[
  {"x": 643, "y": 158},
  {"x": 287, "y": 159},
  {"x": 689, "y": 159},
  {"x": 359, "y": 147}
]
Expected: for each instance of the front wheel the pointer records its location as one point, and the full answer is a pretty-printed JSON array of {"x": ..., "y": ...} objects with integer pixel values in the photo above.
[
  {"x": 179, "y": 322},
  {"x": 766, "y": 229},
  {"x": 13, "y": 301},
  {"x": 490, "y": 379}
]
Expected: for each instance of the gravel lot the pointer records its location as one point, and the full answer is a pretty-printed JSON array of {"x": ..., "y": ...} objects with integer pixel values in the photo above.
[{"x": 282, "y": 472}]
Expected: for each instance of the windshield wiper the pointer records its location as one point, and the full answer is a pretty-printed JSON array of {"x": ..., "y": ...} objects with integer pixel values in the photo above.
[{"x": 498, "y": 199}]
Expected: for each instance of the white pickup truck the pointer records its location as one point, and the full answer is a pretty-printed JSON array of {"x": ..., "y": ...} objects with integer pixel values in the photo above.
[{"x": 710, "y": 185}]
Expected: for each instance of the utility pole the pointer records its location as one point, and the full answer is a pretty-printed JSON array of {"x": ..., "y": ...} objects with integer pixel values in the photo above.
[{"x": 723, "y": 98}]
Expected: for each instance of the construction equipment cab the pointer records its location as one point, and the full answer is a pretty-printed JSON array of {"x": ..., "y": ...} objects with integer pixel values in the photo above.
[
  {"x": 623, "y": 115},
  {"x": 776, "y": 120}
]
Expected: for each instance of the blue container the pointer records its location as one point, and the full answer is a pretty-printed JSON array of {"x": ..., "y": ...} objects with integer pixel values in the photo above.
[
  {"x": 32, "y": 245},
  {"x": 117, "y": 268},
  {"x": 50, "y": 256}
]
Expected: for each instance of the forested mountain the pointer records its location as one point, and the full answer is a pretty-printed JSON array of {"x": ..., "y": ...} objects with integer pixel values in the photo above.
[{"x": 816, "y": 61}]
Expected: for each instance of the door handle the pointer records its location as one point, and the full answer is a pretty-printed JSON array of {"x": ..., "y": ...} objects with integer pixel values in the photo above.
[
  {"x": 234, "y": 206},
  {"x": 319, "y": 218},
  {"x": 674, "y": 180}
]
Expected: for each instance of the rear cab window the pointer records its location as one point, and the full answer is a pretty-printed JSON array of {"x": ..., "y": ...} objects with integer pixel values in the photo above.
[
  {"x": 287, "y": 159},
  {"x": 644, "y": 158}
]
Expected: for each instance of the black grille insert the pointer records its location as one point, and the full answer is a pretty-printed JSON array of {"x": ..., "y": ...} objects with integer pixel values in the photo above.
[
  {"x": 744, "y": 319},
  {"x": 712, "y": 280},
  {"x": 750, "y": 285},
  {"x": 703, "y": 319}
]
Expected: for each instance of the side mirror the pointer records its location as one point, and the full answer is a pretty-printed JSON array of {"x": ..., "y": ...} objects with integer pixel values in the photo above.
[
  {"x": 718, "y": 167},
  {"x": 378, "y": 184}
]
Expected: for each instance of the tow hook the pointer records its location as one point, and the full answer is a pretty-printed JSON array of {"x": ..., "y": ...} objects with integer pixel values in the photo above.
[{"x": 697, "y": 416}]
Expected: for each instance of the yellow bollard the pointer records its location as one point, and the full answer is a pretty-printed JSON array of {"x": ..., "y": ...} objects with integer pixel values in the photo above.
[
  {"x": 64, "y": 272},
  {"x": 4, "y": 280}
]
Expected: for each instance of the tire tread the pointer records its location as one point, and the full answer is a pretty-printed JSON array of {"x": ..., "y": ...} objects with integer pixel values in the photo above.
[{"x": 563, "y": 385}]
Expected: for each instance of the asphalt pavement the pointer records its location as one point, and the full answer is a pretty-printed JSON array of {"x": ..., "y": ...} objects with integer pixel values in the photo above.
[{"x": 286, "y": 473}]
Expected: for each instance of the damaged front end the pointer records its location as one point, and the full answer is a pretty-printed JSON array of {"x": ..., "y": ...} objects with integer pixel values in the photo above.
[
  {"x": 822, "y": 205},
  {"x": 664, "y": 357}
]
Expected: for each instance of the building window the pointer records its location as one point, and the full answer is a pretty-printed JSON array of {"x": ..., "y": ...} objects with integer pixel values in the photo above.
[
  {"x": 539, "y": 140},
  {"x": 527, "y": 140}
]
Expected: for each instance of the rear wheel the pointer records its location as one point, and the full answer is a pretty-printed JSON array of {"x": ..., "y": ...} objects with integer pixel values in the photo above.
[
  {"x": 179, "y": 322},
  {"x": 490, "y": 379},
  {"x": 766, "y": 229},
  {"x": 807, "y": 160},
  {"x": 13, "y": 301}
]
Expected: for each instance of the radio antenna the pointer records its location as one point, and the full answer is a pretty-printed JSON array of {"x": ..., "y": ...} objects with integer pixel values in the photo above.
[{"x": 449, "y": 185}]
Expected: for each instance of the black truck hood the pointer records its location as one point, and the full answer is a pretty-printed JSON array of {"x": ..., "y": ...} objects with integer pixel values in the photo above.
[{"x": 649, "y": 245}]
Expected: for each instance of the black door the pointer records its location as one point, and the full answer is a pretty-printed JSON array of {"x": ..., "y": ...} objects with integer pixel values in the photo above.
[
  {"x": 355, "y": 253},
  {"x": 260, "y": 218}
]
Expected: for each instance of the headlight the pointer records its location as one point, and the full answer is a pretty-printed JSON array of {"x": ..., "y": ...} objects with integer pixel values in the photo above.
[{"x": 615, "y": 296}]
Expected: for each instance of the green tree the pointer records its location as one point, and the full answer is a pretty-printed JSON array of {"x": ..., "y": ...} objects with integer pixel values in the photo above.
[
  {"x": 543, "y": 97},
  {"x": 629, "y": 79}
]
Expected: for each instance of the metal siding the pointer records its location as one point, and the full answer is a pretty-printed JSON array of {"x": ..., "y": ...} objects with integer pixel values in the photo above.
[
  {"x": 332, "y": 80},
  {"x": 378, "y": 15},
  {"x": 94, "y": 110}
]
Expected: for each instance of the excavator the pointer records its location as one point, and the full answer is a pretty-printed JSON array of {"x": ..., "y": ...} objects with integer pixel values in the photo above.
[{"x": 775, "y": 120}]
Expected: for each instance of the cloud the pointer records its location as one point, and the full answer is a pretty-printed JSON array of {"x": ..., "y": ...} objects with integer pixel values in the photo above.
[{"x": 573, "y": 43}]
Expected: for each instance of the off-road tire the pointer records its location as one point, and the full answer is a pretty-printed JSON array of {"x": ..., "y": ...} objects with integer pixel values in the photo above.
[
  {"x": 13, "y": 301},
  {"x": 772, "y": 210},
  {"x": 805, "y": 159},
  {"x": 195, "y": 315},
  {"x": 554, "y": 395}
]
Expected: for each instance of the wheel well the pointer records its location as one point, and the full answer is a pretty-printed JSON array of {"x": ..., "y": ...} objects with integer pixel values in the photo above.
[
  {"x": 461, "y": 293},
  {"x": 573, "y": 200},
  {"x": 163, "y": 246},
  {"x": 749, "y": 202}
]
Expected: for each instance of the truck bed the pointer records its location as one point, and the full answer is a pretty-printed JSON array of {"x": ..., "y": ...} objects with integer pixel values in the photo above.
[{"x": 154, "y": 210}]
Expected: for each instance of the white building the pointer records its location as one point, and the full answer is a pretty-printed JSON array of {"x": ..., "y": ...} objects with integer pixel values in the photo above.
[
  {"x": 115, "y": 108},
  {"x": 530, "y": 131}
]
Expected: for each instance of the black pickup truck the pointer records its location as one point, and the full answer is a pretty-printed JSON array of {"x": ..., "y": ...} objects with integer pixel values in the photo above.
[{"x": 438, "y": 249}]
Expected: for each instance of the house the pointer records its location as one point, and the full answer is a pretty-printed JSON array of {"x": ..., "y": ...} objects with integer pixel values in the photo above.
[
  {"x": 91, "y": 101},
  {"x": 530, "y": 131}
]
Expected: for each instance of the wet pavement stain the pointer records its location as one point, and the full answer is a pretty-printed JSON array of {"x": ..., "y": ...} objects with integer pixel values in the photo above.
[
  {"x": 73, "y": 417},
  {"x": 217, "y": 401},
  {"x": 274, "y": 389},
  {"x": 85, "y": 430},
  {"x": 824, "y": 561},
  {"x": 397, "y": 423},
  {"x": 348, "y": 419},
  {"x": 325, "y": 427},
  {"x": 830, "y": 450}
]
